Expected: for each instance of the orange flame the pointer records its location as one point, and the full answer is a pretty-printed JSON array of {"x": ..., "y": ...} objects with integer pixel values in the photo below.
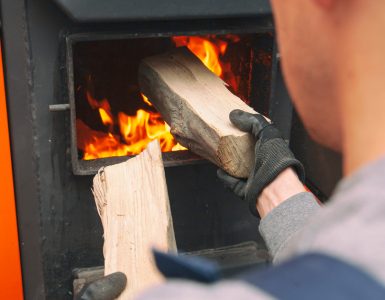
[
  {"x": 135, "y": 132},
  {"x": 211, "y": 50},
  {"x": 106, "y": 118},
  {"x": 205, "y": 50},
  {"x": 145, "y": 99},
  {"x": 103, "y": 107}
]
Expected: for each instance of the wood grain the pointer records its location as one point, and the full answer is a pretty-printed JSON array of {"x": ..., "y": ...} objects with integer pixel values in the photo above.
[
  {"x": 196, "y": 104},
  {"x": 133, "y": 204}
]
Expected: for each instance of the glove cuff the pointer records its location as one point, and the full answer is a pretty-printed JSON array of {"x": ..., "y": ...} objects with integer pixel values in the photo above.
[{"x": 265, "y": 178}]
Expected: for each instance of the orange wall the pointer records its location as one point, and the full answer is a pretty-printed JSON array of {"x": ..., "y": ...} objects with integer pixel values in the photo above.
[{"x": 10, "y": 275}]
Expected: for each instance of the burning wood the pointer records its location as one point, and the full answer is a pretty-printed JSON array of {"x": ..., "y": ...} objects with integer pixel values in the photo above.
[{"x": 196, "y": 104}]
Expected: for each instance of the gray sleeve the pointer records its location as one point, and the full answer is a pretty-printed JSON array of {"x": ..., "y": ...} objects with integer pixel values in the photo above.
[{"x": 285, "y": 220}]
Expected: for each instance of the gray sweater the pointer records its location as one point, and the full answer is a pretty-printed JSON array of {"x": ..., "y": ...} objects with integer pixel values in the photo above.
[{"x": 350, "y": 228}]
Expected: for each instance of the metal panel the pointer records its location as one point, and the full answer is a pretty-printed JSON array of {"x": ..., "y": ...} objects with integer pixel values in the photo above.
[
  {"x": 133, "y": 10},
  {"x": 323, "y": 166},
  {"x": 281, "y": 108},
  {"x": 25, "y": 158}
]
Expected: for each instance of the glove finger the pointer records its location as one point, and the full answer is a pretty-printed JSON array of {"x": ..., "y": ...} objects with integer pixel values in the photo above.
[
  {"x": 248, "y": 122},
  {"x": 235, "y": 184},
  {"x": 107, "y": 288}
]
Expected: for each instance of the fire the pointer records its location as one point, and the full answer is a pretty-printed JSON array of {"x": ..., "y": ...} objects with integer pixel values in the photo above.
[
  {"x": 97, "y": 144},
  {"x": 145, "y": 99},
  {"x": 129, "y": 134},
  {"x": 135, "y": 132},
  {"x": 106, "y": 118},
  {"x": 207, "y": 51},
  {"x": 211, "y": 50}
]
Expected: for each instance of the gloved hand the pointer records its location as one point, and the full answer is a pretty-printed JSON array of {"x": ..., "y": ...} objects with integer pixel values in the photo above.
[
  {"x": 107, "y": 288},
  {"x": 272, "y": 156}
]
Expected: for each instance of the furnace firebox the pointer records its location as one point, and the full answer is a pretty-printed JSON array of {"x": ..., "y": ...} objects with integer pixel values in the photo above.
[{"x": 111, "y": 119}]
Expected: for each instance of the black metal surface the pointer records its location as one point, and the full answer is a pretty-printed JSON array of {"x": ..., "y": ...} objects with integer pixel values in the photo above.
[
  {"x": 323, "y": 167},
  {"x": 170, "y": 159},
  {"x": 59, "y": 227},
  {"x": 134, "y": 10},
  {"x": 281, "y": 108},
  {"x": 206, "y": 215},
  {"x": 22, "y": 117},
  {"x": 232, "y": 261}
]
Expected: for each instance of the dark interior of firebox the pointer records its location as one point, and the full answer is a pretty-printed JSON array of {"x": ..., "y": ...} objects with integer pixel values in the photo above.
[{"x": 114, "y": 119}]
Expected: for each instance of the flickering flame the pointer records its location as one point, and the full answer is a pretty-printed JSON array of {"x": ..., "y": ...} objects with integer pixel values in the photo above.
[
  {"x": 207, "y": 51},
  {"x": 106, "y": 118},
  {"x": 135, "y": 132},
  {"x": 145, "y": 99},
  {"x": 211, "y": 50}
]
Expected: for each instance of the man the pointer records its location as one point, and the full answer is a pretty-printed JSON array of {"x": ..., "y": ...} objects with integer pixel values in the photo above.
[{"x": 334, "y": 64}]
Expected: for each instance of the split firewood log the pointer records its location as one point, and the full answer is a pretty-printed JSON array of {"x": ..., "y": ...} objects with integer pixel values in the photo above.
[
  {"x": 196, "y": 104},
  {"x": 132, "y": 201}
]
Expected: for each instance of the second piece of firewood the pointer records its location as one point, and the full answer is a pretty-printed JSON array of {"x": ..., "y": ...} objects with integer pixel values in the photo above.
[
  {"x": 133, "y": 204},
  {"x": 196, "y": 104}
]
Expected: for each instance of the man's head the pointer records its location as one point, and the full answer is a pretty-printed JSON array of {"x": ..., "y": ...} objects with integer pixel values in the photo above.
[
  {"x": 308, "y": 38},
  {"x": 333, "y": 56}
]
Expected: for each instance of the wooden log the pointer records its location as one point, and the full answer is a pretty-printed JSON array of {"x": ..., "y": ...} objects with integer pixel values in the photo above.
[
  {"x": 133, "y": 204},
  {"x": 196, "y": 104}
]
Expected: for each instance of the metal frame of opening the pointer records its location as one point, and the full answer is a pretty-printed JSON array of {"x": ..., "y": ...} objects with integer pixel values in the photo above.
[{"x": 170, "y": 159}]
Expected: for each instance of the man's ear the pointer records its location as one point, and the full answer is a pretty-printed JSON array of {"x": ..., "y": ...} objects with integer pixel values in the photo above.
[{"x": 325, "y": 4}]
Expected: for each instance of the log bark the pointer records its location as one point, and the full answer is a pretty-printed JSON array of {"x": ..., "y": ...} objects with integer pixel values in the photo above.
[
  {"x": 196, "y": 104},
  {"x": 133, "y": 204}
]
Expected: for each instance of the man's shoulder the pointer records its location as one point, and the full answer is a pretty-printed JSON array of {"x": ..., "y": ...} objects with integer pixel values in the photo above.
[{"x": 351, "y": 225}]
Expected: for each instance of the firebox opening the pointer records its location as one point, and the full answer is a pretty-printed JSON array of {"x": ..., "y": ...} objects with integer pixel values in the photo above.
[{"x": 114, "y": 119}]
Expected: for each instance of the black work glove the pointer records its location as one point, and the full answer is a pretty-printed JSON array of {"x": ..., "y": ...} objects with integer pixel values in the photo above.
[
  {"x": 272, "y": 156},
  {"x": 107, "y": 288}
]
